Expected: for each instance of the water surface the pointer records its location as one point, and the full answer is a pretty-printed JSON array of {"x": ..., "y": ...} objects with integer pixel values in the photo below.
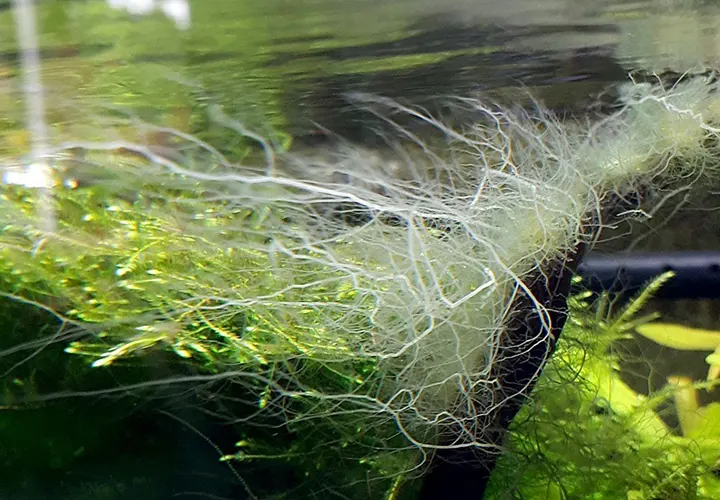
[{"x": 288, "y": 63}]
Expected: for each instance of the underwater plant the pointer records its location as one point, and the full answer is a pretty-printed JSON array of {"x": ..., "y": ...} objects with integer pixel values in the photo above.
[
  {"x": 620, "y": 445},
  {"x": 682, "y": 337},
  {"x": 347, "y": 310}
]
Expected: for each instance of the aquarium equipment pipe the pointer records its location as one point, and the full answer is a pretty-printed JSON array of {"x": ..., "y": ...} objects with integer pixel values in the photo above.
[{"x": 697, "y": 274}]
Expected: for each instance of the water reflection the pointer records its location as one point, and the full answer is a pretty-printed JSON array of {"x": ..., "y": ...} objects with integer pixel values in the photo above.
[{"x": 291, "y": 62}]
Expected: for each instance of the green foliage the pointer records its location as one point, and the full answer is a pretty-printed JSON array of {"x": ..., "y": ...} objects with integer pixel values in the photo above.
[
  {"x": 52, "y": 446},
  {"x": 151, "y": 280},
  {"x": 135, "y": 275},
  {"x": 683, "y": 338},
  {"x": 588, "y": 435}
]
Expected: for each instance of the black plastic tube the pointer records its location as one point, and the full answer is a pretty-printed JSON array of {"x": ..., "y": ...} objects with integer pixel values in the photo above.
[{"x": 697, "y": 274}]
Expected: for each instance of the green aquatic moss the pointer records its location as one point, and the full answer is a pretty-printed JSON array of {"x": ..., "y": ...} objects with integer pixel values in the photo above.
[
  {"x": 135, "y": 275},
  {"x": 126, "y": 265},
  {"x": 586, "y": 434},
  {"x": 270, "y": 304}
]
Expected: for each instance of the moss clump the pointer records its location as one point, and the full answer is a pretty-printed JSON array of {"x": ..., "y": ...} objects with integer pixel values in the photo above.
[
  {"x": 588, "y": 435},
  {"x": 337, "y": 294},
  {"x": 133, "y": 273}
]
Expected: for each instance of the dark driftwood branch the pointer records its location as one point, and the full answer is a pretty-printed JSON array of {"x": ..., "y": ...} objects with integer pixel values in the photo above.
[{"x": 463, "y": 472}]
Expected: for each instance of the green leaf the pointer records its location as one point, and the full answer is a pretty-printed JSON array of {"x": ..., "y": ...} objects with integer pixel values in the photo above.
[
  {"x": 680, "y": 337},
  {"x": 709, "y": 424},
  {"x": 714, "y": 361}
]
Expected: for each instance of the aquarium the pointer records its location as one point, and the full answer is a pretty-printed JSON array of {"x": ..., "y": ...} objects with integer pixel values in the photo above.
[{"x": 359, "y": 249}]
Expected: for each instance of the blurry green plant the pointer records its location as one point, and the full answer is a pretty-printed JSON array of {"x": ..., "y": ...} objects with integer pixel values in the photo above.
[
  {"x": 587, "y": 434},
  {"x": 684, "y": 338},
  {"x": 127, "y": 266},
  {"x": 148, "y": 280},
  {"x": 143, "y": 279},
  {"x": 136, "y": 272},
  {"x": 56, "y": 446}
]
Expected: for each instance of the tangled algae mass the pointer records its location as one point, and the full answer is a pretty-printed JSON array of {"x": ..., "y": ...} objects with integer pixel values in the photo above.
[{"x": 360, "y": 291}]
